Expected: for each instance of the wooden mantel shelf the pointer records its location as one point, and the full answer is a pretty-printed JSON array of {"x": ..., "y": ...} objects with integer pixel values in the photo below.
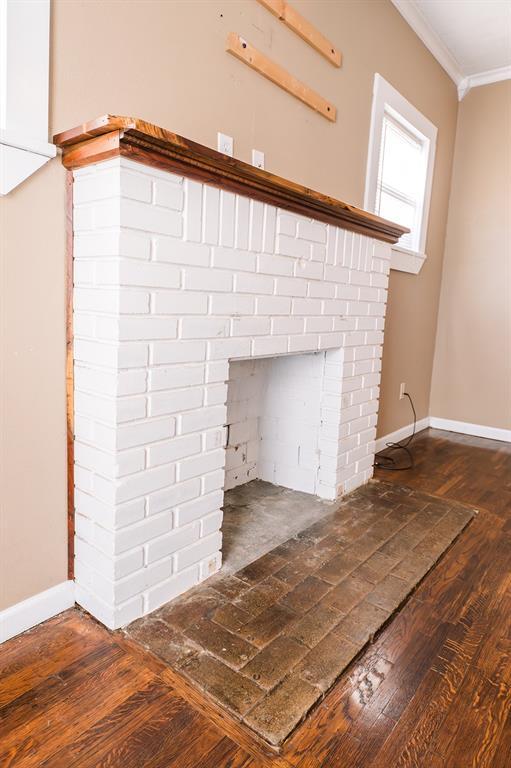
[{"x": 111, "y": 136}]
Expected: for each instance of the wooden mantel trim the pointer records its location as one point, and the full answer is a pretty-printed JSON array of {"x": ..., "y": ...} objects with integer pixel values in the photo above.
[{"x": 111, "y": 136}]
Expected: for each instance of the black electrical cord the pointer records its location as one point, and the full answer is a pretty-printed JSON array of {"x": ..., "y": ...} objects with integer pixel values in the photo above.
[{"x": 381, "y": 457}]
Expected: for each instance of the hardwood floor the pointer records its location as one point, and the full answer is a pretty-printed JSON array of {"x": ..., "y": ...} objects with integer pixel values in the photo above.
[{"x": 432, "y": 691}]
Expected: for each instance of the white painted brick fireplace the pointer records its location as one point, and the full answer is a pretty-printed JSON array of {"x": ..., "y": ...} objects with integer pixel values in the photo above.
[{"x": 195, "y": 308}]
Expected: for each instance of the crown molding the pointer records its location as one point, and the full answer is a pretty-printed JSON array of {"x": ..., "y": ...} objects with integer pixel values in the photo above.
[
  {"x": 483, "y": 78},
  {"x": 433, "y": 42},
  {"x": 430, "y": 38}
]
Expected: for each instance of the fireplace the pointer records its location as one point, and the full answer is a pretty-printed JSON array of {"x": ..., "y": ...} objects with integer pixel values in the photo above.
[{"x": 227, "y": 326}]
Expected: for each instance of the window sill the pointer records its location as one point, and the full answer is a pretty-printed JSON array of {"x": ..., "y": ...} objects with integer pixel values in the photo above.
[{"x": 404, "y": 260}]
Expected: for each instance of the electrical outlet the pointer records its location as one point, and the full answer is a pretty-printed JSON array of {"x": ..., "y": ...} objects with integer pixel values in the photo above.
[
  {"x": 258, "y": 158},
  {"x": 402, "y": 390},
  {"x": 225, "y": 144}
]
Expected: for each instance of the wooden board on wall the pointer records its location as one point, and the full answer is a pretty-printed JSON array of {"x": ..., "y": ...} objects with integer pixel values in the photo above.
[
  {"x": 242, "y": 50},
  {"x": 307, "y": 31}
]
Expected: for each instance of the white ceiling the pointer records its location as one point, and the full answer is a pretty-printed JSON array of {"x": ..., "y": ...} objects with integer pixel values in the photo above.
[{"x": 470, "y": 38}]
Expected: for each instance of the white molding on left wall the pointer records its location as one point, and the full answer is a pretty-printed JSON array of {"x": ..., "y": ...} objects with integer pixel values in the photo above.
[
  {"x": 36, "y": 609},
  {"x": 24, "y": 89}
]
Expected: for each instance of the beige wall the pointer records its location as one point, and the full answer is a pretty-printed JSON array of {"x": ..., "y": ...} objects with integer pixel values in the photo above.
[
  {"x": 472, "y": 371},
  {"x": 165, "y": 62}
]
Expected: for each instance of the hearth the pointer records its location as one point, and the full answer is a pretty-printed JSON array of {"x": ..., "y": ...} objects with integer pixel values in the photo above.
[{"x": 268, "y": 641}]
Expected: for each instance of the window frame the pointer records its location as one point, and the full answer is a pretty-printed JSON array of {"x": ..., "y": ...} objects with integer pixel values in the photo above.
[{"x": 387, "y": 100}]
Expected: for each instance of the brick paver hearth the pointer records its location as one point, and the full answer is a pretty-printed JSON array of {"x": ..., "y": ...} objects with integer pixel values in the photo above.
[{"x": 268, "y": 641}]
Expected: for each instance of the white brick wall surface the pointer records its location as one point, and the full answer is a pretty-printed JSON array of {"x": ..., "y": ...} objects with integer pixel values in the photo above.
[
  {"x": 173, "y": 280},
  {"x": 274, "y": 421}
]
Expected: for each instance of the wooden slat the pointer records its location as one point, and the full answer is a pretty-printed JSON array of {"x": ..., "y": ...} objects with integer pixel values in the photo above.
[
  {"x": 93, "y": 128},
  {"x": 307, "y": 31},
  {"x": 256, "y": 60},
  {"x": 92, "y": 150},
  {"x": 70, "y": 380},
  {"x": 144, "y": 142}
]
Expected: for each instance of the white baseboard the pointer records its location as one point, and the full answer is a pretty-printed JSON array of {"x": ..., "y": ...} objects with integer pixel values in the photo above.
[
  {"x": 462, "y": 427},
  {"x": 465, "y": 428},
  {"x": 22, "y": 616},
  {"x": 401, "y": 434}
]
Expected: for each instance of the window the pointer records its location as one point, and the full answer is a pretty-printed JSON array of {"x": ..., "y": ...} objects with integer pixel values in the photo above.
[{"x": 400, "y": 170}]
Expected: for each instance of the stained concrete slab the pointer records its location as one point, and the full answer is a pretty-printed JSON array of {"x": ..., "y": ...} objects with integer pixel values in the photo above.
[{"x": 258, "y": 516}]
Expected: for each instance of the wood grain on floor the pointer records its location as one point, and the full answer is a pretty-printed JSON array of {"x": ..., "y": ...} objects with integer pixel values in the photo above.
[{"x": 432, "y": 691}]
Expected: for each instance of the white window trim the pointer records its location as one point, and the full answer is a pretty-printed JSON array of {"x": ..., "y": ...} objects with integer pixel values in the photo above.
[
  {"x": 384, "y": 95},
  {"x": 24, "y": 83}
]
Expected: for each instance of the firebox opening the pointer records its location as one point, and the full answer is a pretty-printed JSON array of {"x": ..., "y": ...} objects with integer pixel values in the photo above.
[
  {"x": 273, "y": 453},
  {"x": 274, "y": 421}
]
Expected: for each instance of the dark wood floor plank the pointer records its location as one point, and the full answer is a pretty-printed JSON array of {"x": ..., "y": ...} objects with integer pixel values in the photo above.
[
  {"x": 110, "y": 740},
  {"x": 473, "y": 727},
  {"x": 38, "y": 701},
  {"x": 75, "y": 713},
  {"x": 48, "y": 653},
  {"x": 22, "y": 649},
  {"x": 357, "y": 750},
  {"x": 502, "y": 757},
  {"x": 493, "y": 658},
  {"x": 450, "y": 585},
  {"x": 225, "y": 753},
  {"x": 328, "y": 725},
  {"x": 406, "y": 675},
  {"x": 422, "y": 719}
]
